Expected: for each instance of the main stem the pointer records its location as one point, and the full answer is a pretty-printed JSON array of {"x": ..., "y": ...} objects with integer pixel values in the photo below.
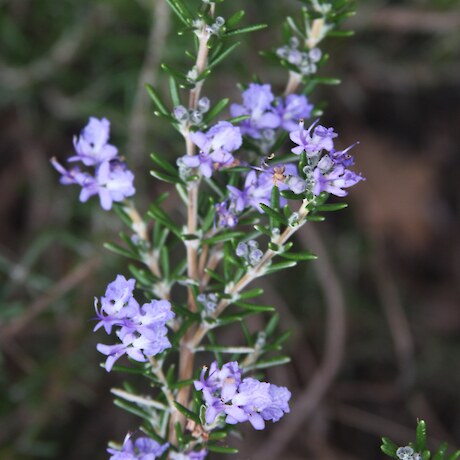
[{"x": 186, "y": 355}]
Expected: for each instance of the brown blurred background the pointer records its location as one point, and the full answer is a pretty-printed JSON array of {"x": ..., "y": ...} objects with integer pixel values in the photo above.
[{"x": 375, "y": 320}]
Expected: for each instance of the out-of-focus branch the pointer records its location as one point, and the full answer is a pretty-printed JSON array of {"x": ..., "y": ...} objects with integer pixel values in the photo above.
[
  {"x": 68, "y": 282},
  {"x": 156, "y": 45},
  {"x": 304, "y": 405},
  {"x": 397, "y": 320}
]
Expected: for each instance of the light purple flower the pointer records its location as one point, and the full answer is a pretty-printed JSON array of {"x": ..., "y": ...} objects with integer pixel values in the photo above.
[
  {"x": 312, "y": 143},
  {"x": 92, "y": 146},
  {"x": 141, "y": 330},
  {"x": 292, "y": 109},
  {"x": 335, "y": 181},
  {"x": 110, "y": 178},
  {"x": 257, "y": 103},
  {"x": 226, "y": 215},
  {"x": 225, "y": 394},
  {"x": 142, "y": 448},
  {"x": 216, "y": 147},
  {"x": 258, "y": 187},
  {"x": 191, "y": 455},
  {"x": 229, "y": 374},
  {"x": 113, "y": 183}
]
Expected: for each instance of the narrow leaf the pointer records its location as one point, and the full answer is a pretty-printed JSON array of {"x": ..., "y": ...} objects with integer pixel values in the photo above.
[
  {"x": 157, "y": 100},
  {"x": 245, "y": 30}
]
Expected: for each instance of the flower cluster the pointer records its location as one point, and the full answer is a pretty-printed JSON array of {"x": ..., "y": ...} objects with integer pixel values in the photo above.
[
  {"x": 141, "y": 330},
  {"x": 110, "y": 179},
  {"x": 407, "y": 453},
  {"x": 305, "y": 61},
  {"x": 216, "y": 147},
  {"x": 267, "y": 113},
  {"x": 240, "y": 400},
  {"x": 249, "y": 252},
  {"x": 195, "y": 116},
  {"x": 327, "y": 169},
  {"x": 142, "y": 448}
]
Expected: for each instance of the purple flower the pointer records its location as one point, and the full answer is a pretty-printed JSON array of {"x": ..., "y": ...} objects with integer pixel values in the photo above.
[
  {"x": 342, "y": 157},
  {"x": 292, "y": 109},
  {"x": 142, "y": 448},
  {"x": 141, "y": 330},
  {"x": 258, "y": 187},
  {"x": 110, "y": 179},
  {"x": 225, "y": 394},
  {"x": 92, "y": 147},
  {"x": 226, "y": 215},
  {"x": 252, "y": 398},
  {"x": 191, "y": 455},
  {"x": 113, "y": 182},
  {"x": 216, "y": 147},
  {"x": 257, "y": 103},
  {"x": 279, "y": 406},
  {"x": 312, "y": 144},
  {"x": 335, "y": 181},
  {"x": 229, "y": 374}
]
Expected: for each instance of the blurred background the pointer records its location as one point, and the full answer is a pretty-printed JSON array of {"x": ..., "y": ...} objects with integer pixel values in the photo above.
[{"x": 375, "y": 321}]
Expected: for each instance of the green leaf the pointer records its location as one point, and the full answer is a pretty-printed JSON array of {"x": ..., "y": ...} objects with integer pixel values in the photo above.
[
  {"x": 227, "y": 236},
  {"x": 157, "y": 213},
  {"x": 304, "y": 255},
  {"x": 165, "y": 177},
  {"x": 157, "y": 100},
  {"x": 252, "y": 293},
  {"x": 271, "y": 326},
  {"x": 222, "y": 55},
  {"x": 120, "y": 250},
  {"x": 181, "y": 10},
  {"x": 222, "y": 449},
  {"x": 217, "y": 435},
  {"x": 174, "y": 91},
  {"x": 133, "y": 409},
  {"x": 326, "y": 80},
  {"x": 280, "y": 266},
  {"x": 441, "y": 452},
  {"x": 263, "y": 229},
  {"x": 226, "y": 349},
  {"x": 171, "y": 170},
  {"x": 236, "y": 120},
  {"x": 181, "y": 384},
  {"x": 253, "y": 307},
  {"x": 245, "y": 30},
  {"x": 275, "y": 215},
  {"x": 174, "y": 73},
  {"x": 187, "y": 413},
  {"x": 332, "y": 207},
  {"x": 454, "y": 456},
  {"x": 215, "y": 110},
  {"x": 272, "y": 362},
  {"x": 215, "y": 276},
  {"x": 315, "y": 218},
  {"x": 420, "y": 436},
  {"x": 233, "y": 20},
  {"x": 389, "y": 448}
]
